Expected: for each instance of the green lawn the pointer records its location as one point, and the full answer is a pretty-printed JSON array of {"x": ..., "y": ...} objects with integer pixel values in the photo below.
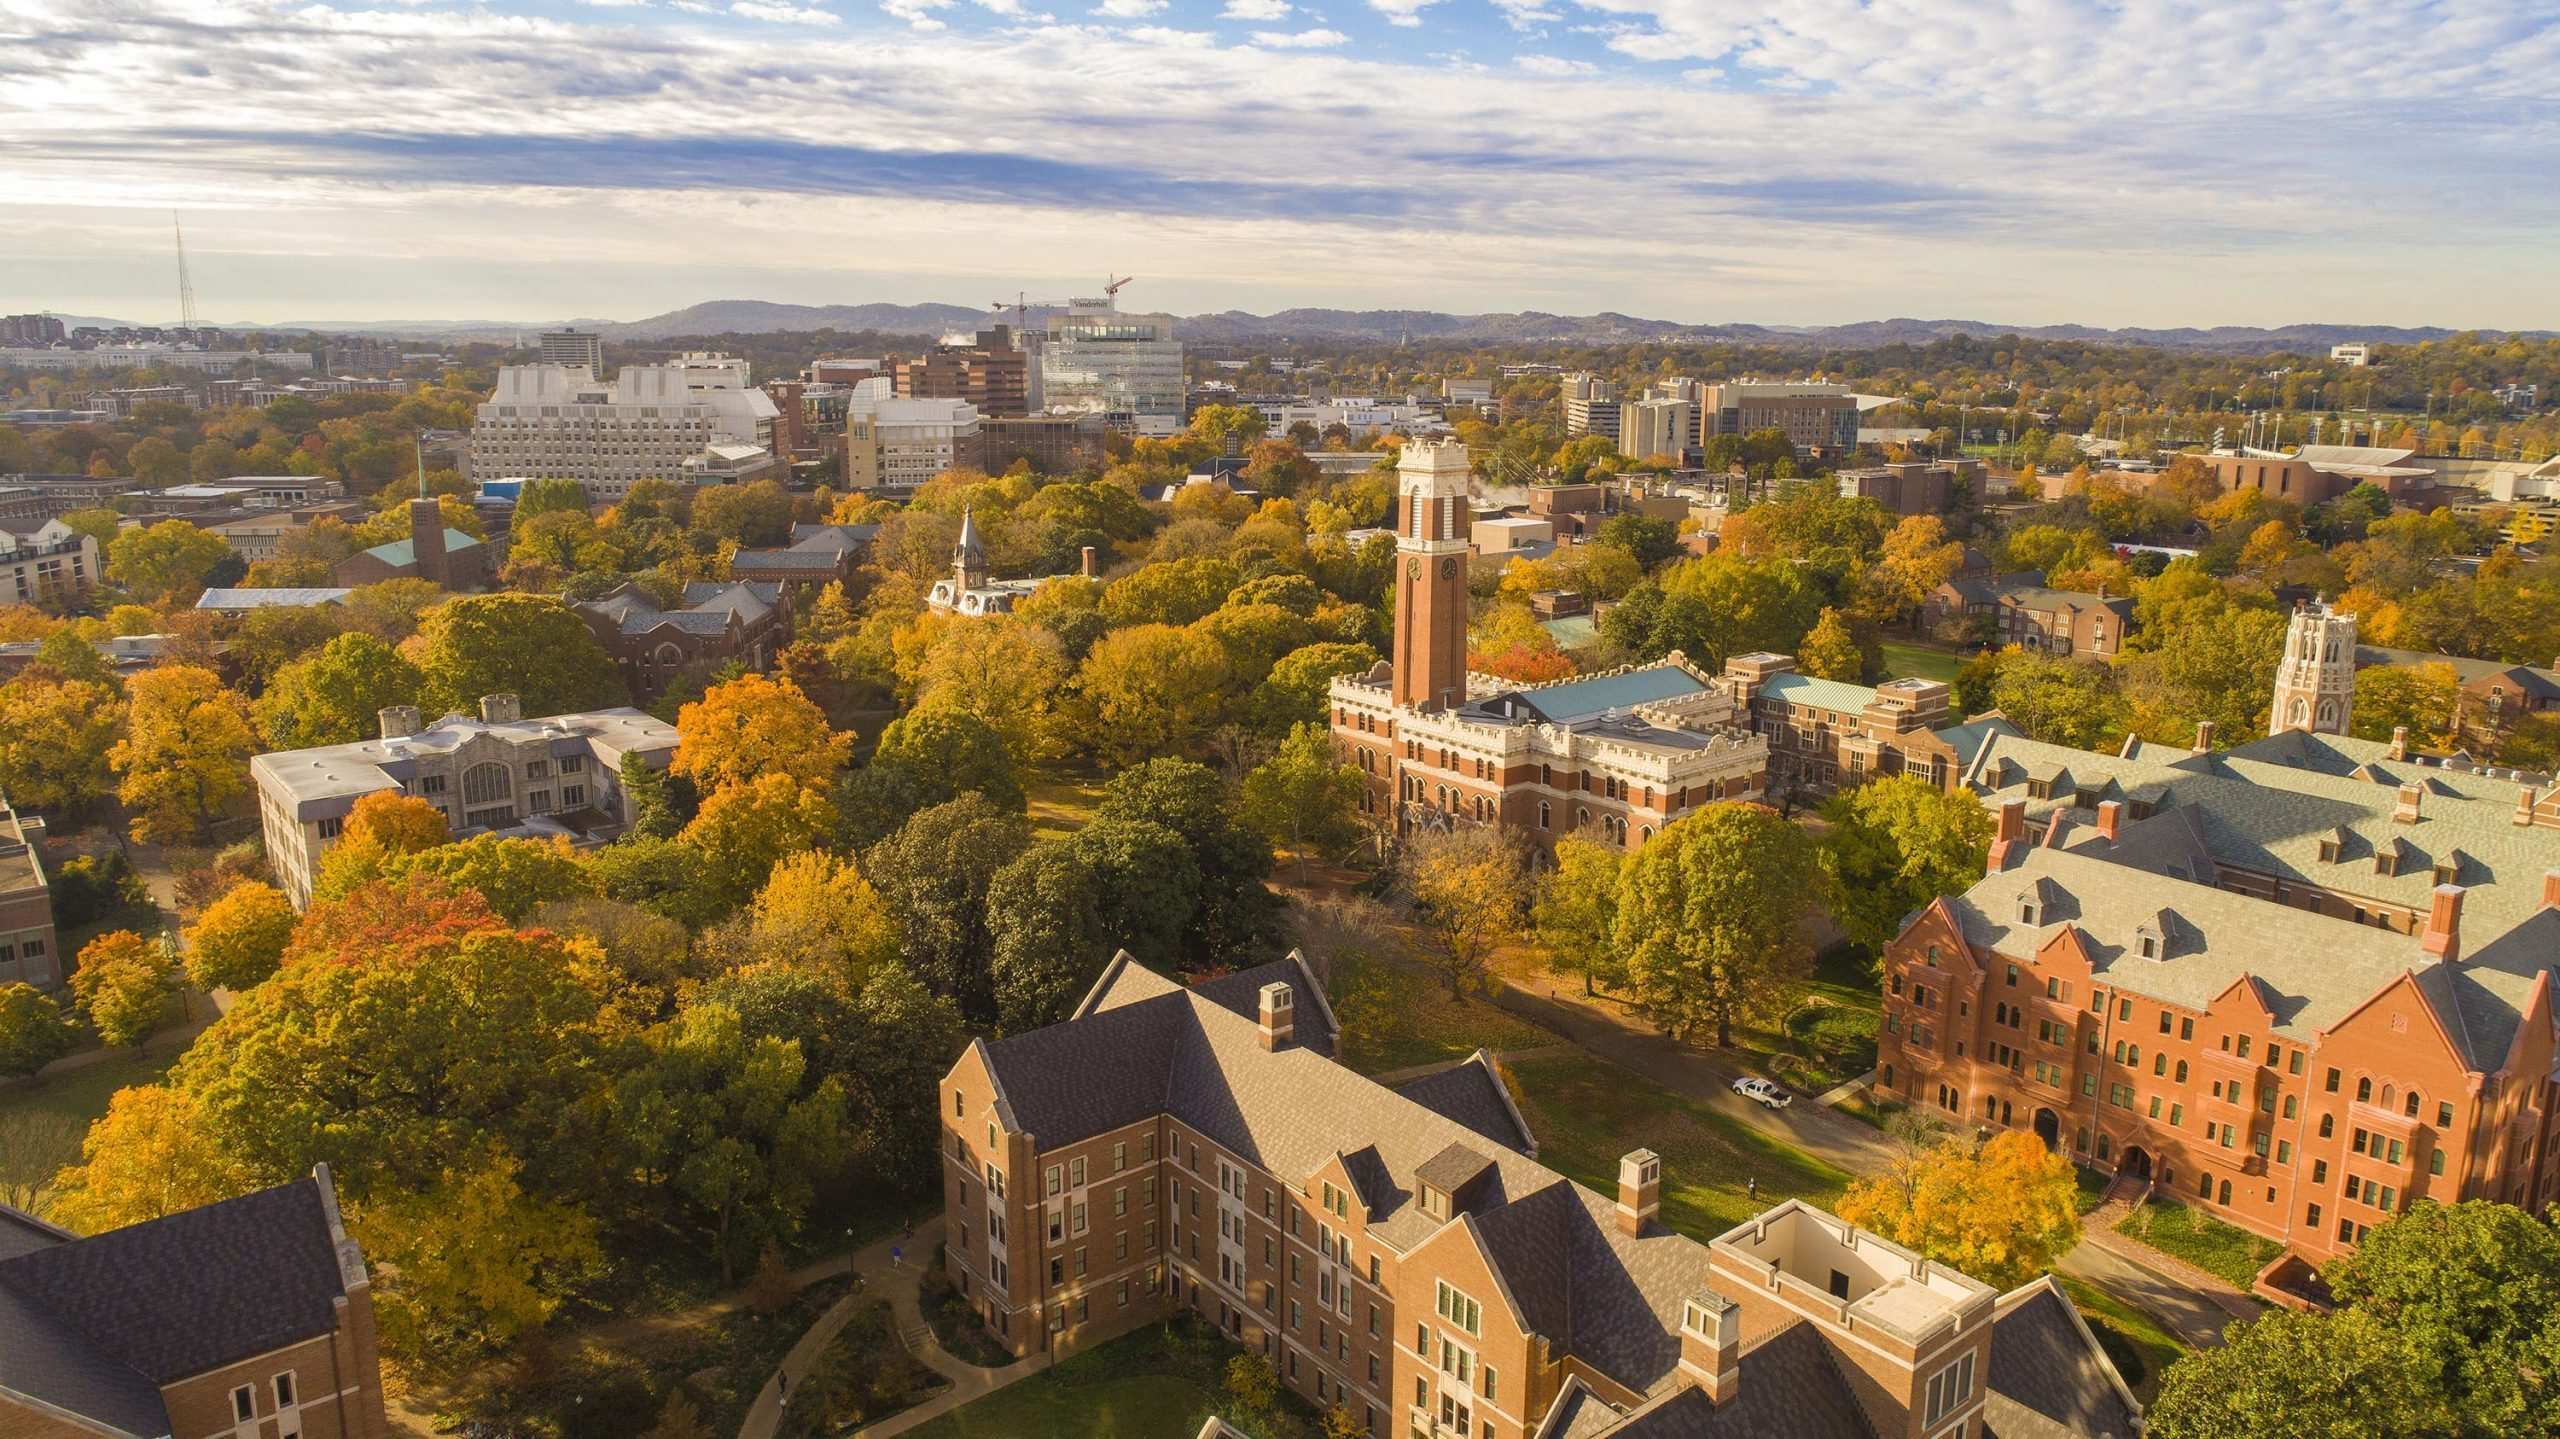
[
  {"x": 1904, "y": 660},
  {"x": 1587, "y": 1113},
  {"x": 42, "y": 1122},
  {"x": 1062, "y": 804},
  {"x": 2232, "y": 1254},
  {"x": 2138, "y": 1347},
  {"x": 1395, "y": 1017},
  {"x": 1158, "y": 1382},
  {"x": 1828, "y": 1036}
]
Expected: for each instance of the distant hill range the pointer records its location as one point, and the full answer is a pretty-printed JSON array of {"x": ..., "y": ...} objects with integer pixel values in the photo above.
[{"x": 1236, "y": 327}]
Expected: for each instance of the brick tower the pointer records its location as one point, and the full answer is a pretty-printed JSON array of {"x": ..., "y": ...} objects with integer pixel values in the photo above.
[
  {"x": 1431, "y": 574},
  {"x": 2316, "y": 679}
]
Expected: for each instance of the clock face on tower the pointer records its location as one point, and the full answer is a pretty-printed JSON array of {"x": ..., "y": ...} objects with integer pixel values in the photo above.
[
  {"x": 1449, "y": 568},
  {"x": 1413, "y": 568}
]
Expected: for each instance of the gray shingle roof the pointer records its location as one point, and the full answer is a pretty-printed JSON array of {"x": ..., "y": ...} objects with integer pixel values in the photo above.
[
  {"x": 1788, "y": 1387},
  {"x": 97, "y": 1325},
  {"x": 2049, "y": 1379},
  {"x": 1472, "y": 1094}
]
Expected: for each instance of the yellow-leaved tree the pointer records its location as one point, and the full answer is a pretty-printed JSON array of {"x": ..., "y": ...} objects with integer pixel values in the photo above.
[
  {"x": 185, "y": 752},
  {"x": 2001, "y": 1210},
  {"x": 753, "y": 727}
]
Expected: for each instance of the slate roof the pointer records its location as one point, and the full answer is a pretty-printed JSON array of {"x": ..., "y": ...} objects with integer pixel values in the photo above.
[
  {"x": 2028, "y": 590},
  {"x": 710, "y": 607},
  {"x": 2267, "y": 807},
  {"x": 280, "y": 596},
  {"x": 2049, "y": 1379},
  {"x": 98, "y": 1325},
  {"x": 1472, "y": 1094},
  {"x": 814, "y": 548},
  {"x": 1788, "y": 1387},
  {"x": 1590, "y": 698},
  {"x": 2534, "y": 679}
]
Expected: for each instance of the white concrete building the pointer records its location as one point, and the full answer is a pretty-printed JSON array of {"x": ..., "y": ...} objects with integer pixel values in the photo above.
[
  {"x": 573, "y": 347},
  {"x": 1358, "y": 414},
  {"x": 2356, "y": 355},
  {"x": 1128, "y": 367},
  {"x": 557, "y": 421},
  {"x": 53, "y": 559},
  {"x": 158, "y": 357},
  {"x": 894, "y": 443},
  {"x": 498, "y": 774}
]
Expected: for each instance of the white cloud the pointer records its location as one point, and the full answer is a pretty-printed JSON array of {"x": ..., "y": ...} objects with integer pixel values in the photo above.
[
  {"x": 1168, "y": 35},
  {"x": 1265, "y": 10},
  {"x": 1555, "y": 65},
  {"x": 1129, "y": 9},
  {"x": 1299, "y": 40},
  {"x": 1404, "y": 13},
  {"x": 614, "y": 4},
  {"x": 917, "y": 13},
  {"x": 782, "y": 14},
  {"x": 1011, "y": 9},
  {"x": 1526, "y": 15}
]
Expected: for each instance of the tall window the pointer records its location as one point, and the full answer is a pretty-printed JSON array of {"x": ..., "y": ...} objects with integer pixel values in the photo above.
[{"x": 486, "y": 784}]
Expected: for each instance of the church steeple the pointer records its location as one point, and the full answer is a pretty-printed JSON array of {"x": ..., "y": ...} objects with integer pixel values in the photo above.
[{"x": 968, "y": 557}]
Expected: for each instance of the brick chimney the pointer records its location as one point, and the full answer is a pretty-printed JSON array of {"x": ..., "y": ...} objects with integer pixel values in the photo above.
[
  {"x": 1277, "y": 1015},
  {"x": 2110, "y": 815},
  {"x": 2204, "y": 738},
  {"x": 1711, "y": 1343},
  {"x": 2399, "y": 741},
  {"x": 1639, "y": 1191},
  {"x": 2443, "y": 937},
  {"x": 2412, "y": 794},
  {"x": 501, "y": 709},
  {"x": 2524, "y": 806},
  {"x": 398, "y": 721},
  {"x": 2551, "y": 889},
  {"x": 1090, "y": 565},
  {"x": 2011, "y": 836}
]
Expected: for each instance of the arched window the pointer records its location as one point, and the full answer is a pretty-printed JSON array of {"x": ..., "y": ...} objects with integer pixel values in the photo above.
[
  {"x": 2411, "y": 1108},
  {"x": 1542, "y": 815},
  {"x": 486, "y": 784},
  {"x": 2301, "y": 709},
  {"x": 2364, "y": 1090}
]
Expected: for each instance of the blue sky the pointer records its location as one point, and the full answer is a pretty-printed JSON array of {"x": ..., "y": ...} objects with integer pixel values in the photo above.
[{"x": 1779, "y": 161}]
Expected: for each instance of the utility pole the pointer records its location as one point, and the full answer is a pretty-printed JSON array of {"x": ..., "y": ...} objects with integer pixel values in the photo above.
[{"x": 186, "y": 287}]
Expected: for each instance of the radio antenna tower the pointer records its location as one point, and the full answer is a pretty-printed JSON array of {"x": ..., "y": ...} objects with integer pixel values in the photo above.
[{"x": 186, "y": 287}]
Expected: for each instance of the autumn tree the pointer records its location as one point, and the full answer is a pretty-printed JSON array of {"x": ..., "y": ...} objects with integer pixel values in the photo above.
[
  {"x": 1298, "y": 688},
  {"x": 747, "y": 827},
  {"x": 2425, "y": 699},
  {"x": 1575, "y": 913},
  {"x": 470, "y": 1264},
  {"x": 33, "y": 1032},
  {"x": 1915, "y": 559},
  {"x": 1468, "y": 885},
  {"x": 167, "y": 562},
  {"x": 530, "y": 646},
  {"x": 122, "y": 984},
  {"x": 335, "y": 695},
  {"x": 150, "y": 1155},
  {"x": 2003, "y": 1210},
  {"x": 515, "y": 874},
  {"x": 1149, "y": 690},
  {"x": 55, "y": 738},
  {"x": 380, "y": 828},
  {"x": 185, "y": 752},
  {"x": 816, "y": 912},
  {"x": 1895, "y": 843},
  {"x": 754, "y": 727},
  {"x": 1707, "y": 918},
  {"x": 1831, "y": 650},
  {"x": 240, "y": 938}
]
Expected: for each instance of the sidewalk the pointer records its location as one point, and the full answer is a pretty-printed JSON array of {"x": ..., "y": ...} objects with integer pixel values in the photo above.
[{"x": 2099, "y": 1228}]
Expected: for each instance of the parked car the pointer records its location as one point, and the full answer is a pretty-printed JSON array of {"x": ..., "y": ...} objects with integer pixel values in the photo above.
[{"x": 1761, "y": 1091}]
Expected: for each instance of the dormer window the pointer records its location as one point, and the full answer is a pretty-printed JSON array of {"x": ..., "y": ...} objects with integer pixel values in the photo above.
[
  {"x": 2029, "y": 910},
  {"x": 2150, "y": 944},
  {"x": 1435, "y": 1203}
]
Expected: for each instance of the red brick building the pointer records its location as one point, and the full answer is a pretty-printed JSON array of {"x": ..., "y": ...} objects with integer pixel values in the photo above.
[
  {"x": 1401, "y": 1254},
  {"x": 2297, "y": 984},
  {"x": 1823, "y": 734},
  {"x": 247, "y": 1319},
  {"x": 1618, "y": 754}
]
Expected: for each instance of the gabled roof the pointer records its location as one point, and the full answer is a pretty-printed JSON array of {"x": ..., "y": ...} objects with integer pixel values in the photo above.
[
  {"x": 1471, "y": 1092},
  {"x": 1585, "y": 699},
  {"x": 97, "y": 1326},
  {"x": 2049, "y": 1379}
]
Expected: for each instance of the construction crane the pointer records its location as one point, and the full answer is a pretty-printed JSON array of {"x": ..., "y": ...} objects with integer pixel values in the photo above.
[
  {"x": 186, "y": 287},
  {"x": 1111, "y": 287}
]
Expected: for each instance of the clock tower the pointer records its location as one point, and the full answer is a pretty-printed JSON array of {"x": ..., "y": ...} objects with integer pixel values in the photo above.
[{"x": 1431, "y": 574}]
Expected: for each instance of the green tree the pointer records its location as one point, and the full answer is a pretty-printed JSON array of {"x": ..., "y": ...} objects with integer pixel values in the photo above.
[
  {"x": 33, "y": 1032},
  {"x": 753, "y": 515},
  {"x": 1252, "y": 1385},
  {"x": 1147, "y": 883},
  {"x": 2060, "y": 700},
  {"x": 1304, "y": 796},
  {"x": 546, "y": 495},
  {"x": 1044, "y": 915},
  {"x": 122, "y": 984},
  {"x": 1236, "y": 911},
  {"x": 1172, "y": 592},
  {"x": 1707, "y": 918},
  {"x": 1151, "y": 690},
  {"x": 1575, "y": 913},
  {"x": 935, "y": 872},
  {"x": 166, "y": 562},
  {"x": 2423, "y": 698},
  {"x": 515, "y": 875},
  {"x": 529, "y": 646},
  {"x": 1297, "y": 689},
  {"x": 185, "y": 752},
  {"x": 97, "y": 522},
  {"x": 240, "y": 938},
  {"x": 336, "y": 695},
  {"x": 664, "y": 876},
  {"x": 730, "y": 1130},
  {"x": 2473, "y": 1289},
  {"x": 2318, "y": 1376},
  {"x": 268, "y": 639},
  {"x": 1895, "y": 843},
  {"x": 945, "y": 753}
]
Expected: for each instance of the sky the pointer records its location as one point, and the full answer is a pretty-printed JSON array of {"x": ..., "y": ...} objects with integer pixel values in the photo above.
[{"x": 2140, "y": 162}]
